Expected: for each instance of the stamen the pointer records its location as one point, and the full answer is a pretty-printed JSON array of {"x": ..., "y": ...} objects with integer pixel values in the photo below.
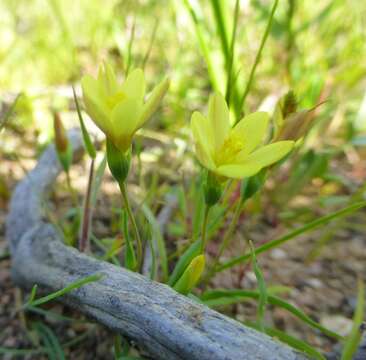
[{"x": 229, "y": 149}]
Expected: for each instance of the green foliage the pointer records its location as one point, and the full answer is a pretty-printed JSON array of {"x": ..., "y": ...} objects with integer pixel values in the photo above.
[
  {"x": 291, "y": 341},
  {"x": 70, "y": 287},
  {"x": 215, "y": 298},
  {"x": 354, "y": 338},
  {"x": 293, "y": 234},
  {"x": 184, "y": 260},
  {"x": 263, "y": 296}
]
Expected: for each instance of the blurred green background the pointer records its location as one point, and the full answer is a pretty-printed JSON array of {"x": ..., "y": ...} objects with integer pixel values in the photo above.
[{"x": 316, "y": 48}]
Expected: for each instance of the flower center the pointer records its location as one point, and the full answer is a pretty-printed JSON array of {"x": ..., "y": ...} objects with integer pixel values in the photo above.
[
  {"x": 229, "y": 149},
  {"x": 113, "y": 100}
]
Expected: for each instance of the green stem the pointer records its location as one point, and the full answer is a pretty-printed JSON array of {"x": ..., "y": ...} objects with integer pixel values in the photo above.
[
  {"x": 117, "y": 346},
  {"x": 71, "y": 190},
  {"x": 226, "y": 241},
  {"x": 232, "y": 54},
  {"x": 204, "y": 229},
  {"x": 258, "y": 56},
  {"x": 133, "y": 223}
]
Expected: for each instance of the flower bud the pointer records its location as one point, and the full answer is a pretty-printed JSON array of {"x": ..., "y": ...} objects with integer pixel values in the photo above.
[
  {"x": 118, "y": 162},
  {"x": 212, "y": 189},
  {"x": 191, "y": 275},
  {"x": 62, "y": 144},
  {"x": 61, "y": 140},
  {"x": 289, "y": 104}
]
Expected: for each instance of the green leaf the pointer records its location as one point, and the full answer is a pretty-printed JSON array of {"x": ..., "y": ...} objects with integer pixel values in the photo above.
[
  {"x": 160, "y": 242},
  {"x": 74, "y": 285},
  {"x": 354, "y": 338},
  {"x": 193, "y": 9},
  {"x": 293, "y": 234},
  {"x": 291, "y": 341},
  {"x": 98, "y": 181},
  {"x": 8, "y": 114},
  {"x": 130, "y": 257},
  {"x": 184, "y": 260},
  {"x": 258, "y": 56},
  {"x": 263, "y": 296},
  {"x": 252, "y": 185},
  {"x": 191, "y": 275},
  {"x": 33, "y": 293},
  {"x": 215, "y": 298},
  {"x": 87, "y": 141},
  {"x": 50, "y": 341}
]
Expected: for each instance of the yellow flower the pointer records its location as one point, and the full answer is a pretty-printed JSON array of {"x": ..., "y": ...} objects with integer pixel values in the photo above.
[
  {"x": 119, "y": 110},
  {"x": 234, "y": 152}
]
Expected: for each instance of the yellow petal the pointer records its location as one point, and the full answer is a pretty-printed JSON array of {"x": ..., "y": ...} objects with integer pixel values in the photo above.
[
  {"x": 268, "y": 154},
  {"x": 134, "y": 85},
  {"x": 218, "y": 114},
  {"x": 107, "y": 79},
  {"x": 251, "y": 130},
  {"x": 124, "y": 120},
  {"x": 94, "y": 105},
  {"x": 202, "y": 134},
  {"x": 153, "y": 101},
  {"x": 238, "y": 171}
]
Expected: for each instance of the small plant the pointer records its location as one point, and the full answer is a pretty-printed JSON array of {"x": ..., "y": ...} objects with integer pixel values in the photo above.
[{"x": 277, "y": 155}]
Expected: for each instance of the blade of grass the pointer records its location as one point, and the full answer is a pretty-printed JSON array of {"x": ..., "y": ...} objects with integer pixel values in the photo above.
[
  {"x": 55, "y": 351},
  {"x": 74, "y": 285},
  {"x": 291, "y": 341},
  {"x": 293, "y": 234},
  {"x": 8, "y": 114},
  {"x": 232, "y": 55},
  {"x": 98, "y": 180},
  {"x": 219, "y": 11},
  {"x": 263, "y": 296},
  {"x": 103, "y": 248},
  {"x": 354, "y": 338},
  {"x": 54, "y": 315},
  {"x": 158, "y": 241},
  {"x": 129, "y": 48},
  {"x": 86, "y": 221},
  {"x": 257, "y": 57},
  {"x": 89, "y": 146},
  {"x": 215, "y": 298},
  {"x": 151, "y": 43},
  {"x": 203, "y": 44}
]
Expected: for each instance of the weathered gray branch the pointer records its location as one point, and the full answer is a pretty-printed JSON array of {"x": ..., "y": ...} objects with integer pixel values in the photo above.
[{"x": 161, "y": 321}]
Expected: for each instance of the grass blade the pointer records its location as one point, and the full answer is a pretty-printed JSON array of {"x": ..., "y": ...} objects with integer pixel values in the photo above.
[
  {"x": 50, "y": 341},
  {"x": 89, "y": 146},
  {"x": 291, "y": 341},
  {"x": 354, "y": 338},
  {"x": 219, "y": 12},
  {"x": 158, "y": 241},
  {"x": 8, "y": 114},
  {"x": 293, "y": 234},
  {"x": 258, "y": 56},
  {"x": 203, "y": 44},
  {"x": 263, "y": 296},
  {"x": 232, "y": 55},
  {"x": 228, "y": 297},
  {"x": 74, "y": 285}
]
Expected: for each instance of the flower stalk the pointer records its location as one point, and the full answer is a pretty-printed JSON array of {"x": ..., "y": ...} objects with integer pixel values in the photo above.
[{"x": 123, "y": 188}]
